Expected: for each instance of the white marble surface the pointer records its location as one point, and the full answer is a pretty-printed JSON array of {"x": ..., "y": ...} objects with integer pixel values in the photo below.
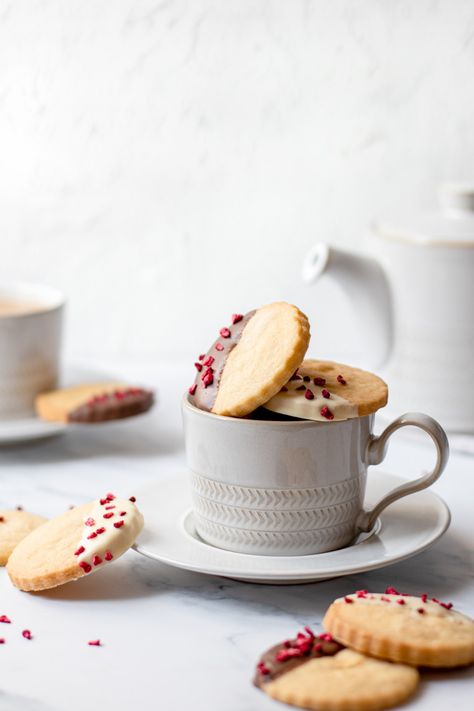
[
  {"x": 195, "y": 149},
  {"x": 172, "y": 639}
]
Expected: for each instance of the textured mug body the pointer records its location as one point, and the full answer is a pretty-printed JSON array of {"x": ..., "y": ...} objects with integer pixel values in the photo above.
[
  {"x": 30, "y": 345},
  {"x": 271, "y": 487}
]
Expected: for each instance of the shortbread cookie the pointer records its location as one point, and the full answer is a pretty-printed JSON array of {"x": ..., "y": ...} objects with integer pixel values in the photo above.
[
  {"x": 323, "y": 390},
  {"x": 319, "y": 674},
  {"x": 80, "y": 541},
  {"x": 96, "y": 402},
  {"x": 402, "y": 628},
  {"x": 14, "y": 527},
  {"x": 251, "y": 360}
]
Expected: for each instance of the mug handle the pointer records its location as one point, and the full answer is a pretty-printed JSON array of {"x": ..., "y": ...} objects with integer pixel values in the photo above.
[{"x": 377, "y": 449}]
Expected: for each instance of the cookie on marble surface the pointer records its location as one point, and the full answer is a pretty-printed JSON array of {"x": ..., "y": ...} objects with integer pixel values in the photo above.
[
  {"x": 93, "y": 402},
  {"x": 324, "y": 390},
  {"x": 402, "y": 628},
  {"x": 251, "y": 360},
  {"x": 81, "y": 541},
  {"x": 14, "y": 527},
  {"x": 318, "y": 673}
]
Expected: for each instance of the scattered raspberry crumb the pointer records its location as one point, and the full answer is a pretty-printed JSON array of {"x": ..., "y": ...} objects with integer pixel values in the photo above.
[
  {"x": 219, "y": 347},
  {"x": 117, "y": 524},
  {"x": 341, "y": 380},
  {"x": 192, "y": 389},
  {"x": 319, "y": 381},
  {"x": 391, "y": 591},
  {"x": 132, "y": 499},
  {"x": 4, "y": 618},
  {"x": 2, "y": 641},
  {"x": 2, "y": 519},
  {"x": 94, "y": 643},
  {"x": 348, "y": 599},
  {"x": 309, "y": 395},
  {"x": 421, "y": 611},
  {"x": 27, "y": 634},
  {"x": 225, "y": 333},
  {"x": 236, "y": 318}
]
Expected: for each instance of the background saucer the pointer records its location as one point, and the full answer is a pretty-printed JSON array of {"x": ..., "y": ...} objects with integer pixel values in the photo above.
[{"x": 407, "y": 527}]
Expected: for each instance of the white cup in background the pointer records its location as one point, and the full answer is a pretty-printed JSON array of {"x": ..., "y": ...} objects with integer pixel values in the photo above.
[{"x": 30, "y": 345}]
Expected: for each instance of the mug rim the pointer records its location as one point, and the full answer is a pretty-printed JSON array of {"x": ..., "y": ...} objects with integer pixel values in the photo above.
[
  {"x": 186, "y": 403},
  {"x": 53, "y": 298}
]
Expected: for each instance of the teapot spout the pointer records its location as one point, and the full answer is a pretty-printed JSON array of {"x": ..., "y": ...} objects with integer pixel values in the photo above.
[{"x": 366, "y": 285}]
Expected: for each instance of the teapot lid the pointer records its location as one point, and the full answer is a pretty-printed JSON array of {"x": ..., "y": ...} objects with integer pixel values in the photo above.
[{"x": 451, "y": 225}]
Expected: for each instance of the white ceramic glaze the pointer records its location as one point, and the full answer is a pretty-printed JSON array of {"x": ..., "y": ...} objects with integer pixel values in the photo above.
[
  {"x": 414, "y": 298},
  {"x": 171, "y": 536},
  {"x": 30, "y": 346},
  {"x": 288, "y": 487}
]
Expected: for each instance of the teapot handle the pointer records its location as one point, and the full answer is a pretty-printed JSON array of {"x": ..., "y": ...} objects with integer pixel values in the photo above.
[{"x": 365, "y": 283}]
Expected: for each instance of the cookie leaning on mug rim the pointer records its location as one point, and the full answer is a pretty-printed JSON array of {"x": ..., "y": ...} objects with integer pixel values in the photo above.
[
  {"x": 80, "y": 541},
  {"x": 251, "y": 360},
  {"x": 325, "y": 390},
  {"x": 402, "y": 628}
]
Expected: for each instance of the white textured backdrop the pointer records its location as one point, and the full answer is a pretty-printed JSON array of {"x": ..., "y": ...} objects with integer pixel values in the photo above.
[{"x": 168, "y": 163}]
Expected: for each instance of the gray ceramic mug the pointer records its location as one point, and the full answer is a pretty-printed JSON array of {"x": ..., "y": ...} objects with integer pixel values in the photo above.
[
  {"x": 271, "y": 487},
  {"x": 30, "y": 344}
]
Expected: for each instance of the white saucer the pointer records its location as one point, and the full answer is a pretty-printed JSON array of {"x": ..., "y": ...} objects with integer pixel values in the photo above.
[
  {"x": 404, "y": 529},
  {"x": 26, "y": 429}
]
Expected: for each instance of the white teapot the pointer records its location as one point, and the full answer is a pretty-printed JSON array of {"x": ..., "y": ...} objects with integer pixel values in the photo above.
[{"x": 414, "y": 301}]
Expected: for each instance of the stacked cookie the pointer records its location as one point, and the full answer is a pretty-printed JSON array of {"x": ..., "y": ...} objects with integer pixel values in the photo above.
[
  {"x": 369, "y": 654},
  {"x": 257, "y": 362}
]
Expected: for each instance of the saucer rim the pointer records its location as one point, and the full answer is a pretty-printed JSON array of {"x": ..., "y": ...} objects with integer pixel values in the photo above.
[{"x": 281, "y": 575}]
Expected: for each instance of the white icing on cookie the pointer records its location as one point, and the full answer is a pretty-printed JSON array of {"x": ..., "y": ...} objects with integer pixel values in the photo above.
[
  {"x": 401, "y": 603},
  {"x": 109, "y": 530},
  {"x": 293, "y": 402}
]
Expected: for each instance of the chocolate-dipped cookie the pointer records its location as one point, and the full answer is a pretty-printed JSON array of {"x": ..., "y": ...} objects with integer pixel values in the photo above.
[
  {"x": 287, "y": 655},
  {"x": 320, "y": 674},
  {"x": 251, "y": 360},
  {"x": 324, "y": 390},
  {"x": 91, "y": 403}
]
